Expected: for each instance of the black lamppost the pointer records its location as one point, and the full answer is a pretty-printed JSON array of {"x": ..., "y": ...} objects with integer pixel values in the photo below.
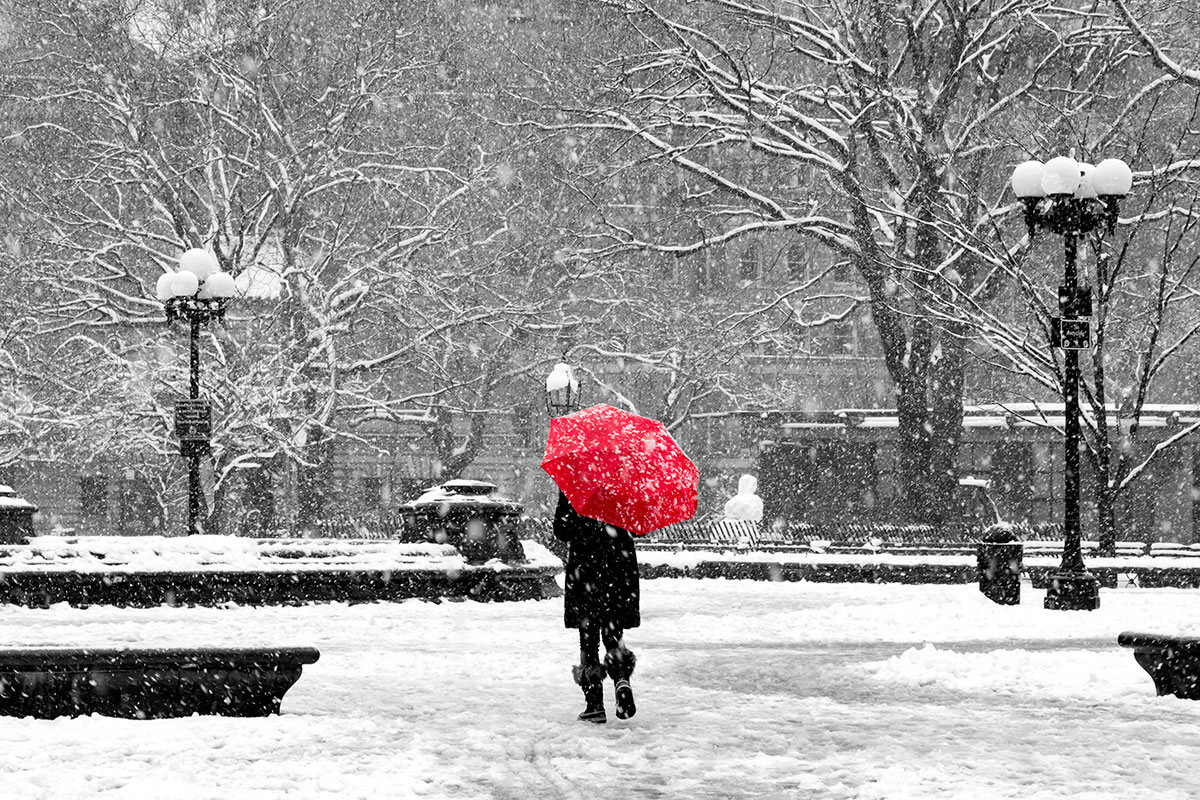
[
  {"x": 197, "y": 293},
  {"x": 562, "y": 391},
  {"x": 1072, "y": 199}
]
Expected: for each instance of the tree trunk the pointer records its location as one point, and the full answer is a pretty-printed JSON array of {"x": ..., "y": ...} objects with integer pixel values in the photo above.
[
  {"x": 1106, "y": 516},
  {"x": 216, "y": 512},
  {"x": 946, "y": 418},
  {"x": 453, "y": 456},
  {"x": 261, "y": 502},
  {"x": 314, "y": 481},
  {"x": 915, "y": 445}
]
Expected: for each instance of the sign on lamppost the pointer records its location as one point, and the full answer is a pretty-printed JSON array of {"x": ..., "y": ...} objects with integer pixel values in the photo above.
[
  {"x": 1072, "y": 334},
  {"x": 1073, "y": 330},
  {"x": 193, "y": 424}
]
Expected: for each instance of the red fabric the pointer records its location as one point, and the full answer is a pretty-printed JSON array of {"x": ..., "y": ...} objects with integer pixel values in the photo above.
[{"x": 621, "y": 468}]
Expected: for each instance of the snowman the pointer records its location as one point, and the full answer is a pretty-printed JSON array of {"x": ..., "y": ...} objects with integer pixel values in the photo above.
[{"x": 745, "y": 506}]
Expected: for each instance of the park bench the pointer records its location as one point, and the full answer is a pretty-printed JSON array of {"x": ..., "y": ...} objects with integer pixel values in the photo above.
[
  {"x": 734, "y": 534},
  {"x": 148, "y": 683},
  {"x": 1172, "y": 661},
  {"x": 1174, "y": 550}
]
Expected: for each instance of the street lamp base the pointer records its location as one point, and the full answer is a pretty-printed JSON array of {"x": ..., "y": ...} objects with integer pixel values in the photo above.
[{"x": 1073, "y": 591}]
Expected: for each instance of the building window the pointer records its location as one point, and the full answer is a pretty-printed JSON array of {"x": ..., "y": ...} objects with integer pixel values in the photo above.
[
  {"x": 93, "y": 496},
  {"x": 719, "y": 438},
  {"x": 371, "y": 491},
  {"x": 843, "y": 337},
  {"x": 865, "y": 337},
  {"x": 748, "y": 264},
  {"x": 1013, "y": 479},
  {"x": 796, "y": 264},
  {"x": 835, "y": 339},
  {"x": 522, "y": 424},
  {"x": 819, "y": 481}
]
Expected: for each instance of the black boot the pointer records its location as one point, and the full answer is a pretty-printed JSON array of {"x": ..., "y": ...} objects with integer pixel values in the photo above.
[
  {"x": 591, "y": 678},
  {"x": 620, "y": 663}
]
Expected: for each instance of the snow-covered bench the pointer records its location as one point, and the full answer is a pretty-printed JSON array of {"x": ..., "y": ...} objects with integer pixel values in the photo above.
[
  {"x": 1052, "y": 547},
  {"x": 1172, "y": 661},
  {"x": 148, "y": 683}
]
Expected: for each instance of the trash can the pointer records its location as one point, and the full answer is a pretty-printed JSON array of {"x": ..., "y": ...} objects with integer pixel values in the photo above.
[
  {"x": 1000, "y": 553},
  {"x": 469, "y": 515},
  {"x": 16, "y": 517}
]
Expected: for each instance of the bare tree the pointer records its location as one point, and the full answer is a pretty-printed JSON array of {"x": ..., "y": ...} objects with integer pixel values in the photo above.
[
  {"x": 869, "y": 130},
  {"x": 1144, "y": 279},
  {"x": 316, "y": 148}
]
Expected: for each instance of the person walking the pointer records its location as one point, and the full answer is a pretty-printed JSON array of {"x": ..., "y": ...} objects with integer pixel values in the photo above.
[{"x": 602, "y": 600}]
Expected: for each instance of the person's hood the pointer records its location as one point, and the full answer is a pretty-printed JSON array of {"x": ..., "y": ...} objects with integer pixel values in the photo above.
[{"x": 747, "y": 484}]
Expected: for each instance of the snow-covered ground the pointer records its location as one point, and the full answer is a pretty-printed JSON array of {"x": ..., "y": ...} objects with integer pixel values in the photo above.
[{"x": 745, "y": 690}]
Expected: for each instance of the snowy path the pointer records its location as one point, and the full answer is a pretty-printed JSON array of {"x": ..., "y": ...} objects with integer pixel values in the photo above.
[{"x": 745, "y": 689}]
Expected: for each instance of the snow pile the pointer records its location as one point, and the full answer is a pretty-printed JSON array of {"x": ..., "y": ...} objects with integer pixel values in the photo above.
[{"x": 1018, "y": 673}]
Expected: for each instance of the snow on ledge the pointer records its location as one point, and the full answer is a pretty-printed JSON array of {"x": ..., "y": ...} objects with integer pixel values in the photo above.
[{"x": 234, "y": 554}]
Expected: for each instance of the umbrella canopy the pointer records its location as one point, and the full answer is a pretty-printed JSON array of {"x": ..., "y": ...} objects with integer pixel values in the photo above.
[{"x": 621, "y": 468}]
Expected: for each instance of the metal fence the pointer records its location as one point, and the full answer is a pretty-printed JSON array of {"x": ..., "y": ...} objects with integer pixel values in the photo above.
[
  {"x": 755, "y": 535},
  {"x": 723, "y": 533},
  {"x": 1040, "y": 538}
]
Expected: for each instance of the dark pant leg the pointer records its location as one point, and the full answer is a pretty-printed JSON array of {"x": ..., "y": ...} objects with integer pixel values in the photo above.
[
  {"x": 614, "y": 638},
  {"x": 590, "y": 638},
  {"x": 589, "y": 645}
]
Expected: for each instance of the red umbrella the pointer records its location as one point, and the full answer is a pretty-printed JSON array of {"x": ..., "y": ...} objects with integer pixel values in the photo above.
[{"x": 621, "y": 469}]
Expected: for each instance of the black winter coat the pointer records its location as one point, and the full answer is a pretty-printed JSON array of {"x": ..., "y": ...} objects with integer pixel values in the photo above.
[{"x": 602, "y": 571}]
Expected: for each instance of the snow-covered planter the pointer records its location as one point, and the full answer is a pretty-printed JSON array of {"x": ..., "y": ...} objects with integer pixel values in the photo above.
[{"x": 469, "y": 515}]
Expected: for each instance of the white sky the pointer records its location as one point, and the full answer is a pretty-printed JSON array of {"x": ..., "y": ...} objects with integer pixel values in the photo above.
[{"x": 745, "y": 690}]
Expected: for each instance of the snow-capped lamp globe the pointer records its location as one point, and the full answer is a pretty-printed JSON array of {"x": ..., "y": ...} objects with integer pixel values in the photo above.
[
  {"x": 198, "y": 291},
  {"x": 562, "y": 391},
  {"x": 1067, "y": 196}
]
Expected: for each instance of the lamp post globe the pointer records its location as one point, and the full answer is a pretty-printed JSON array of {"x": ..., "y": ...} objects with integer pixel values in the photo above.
[
  {"x": 1113, "y": 178},
  {"x": 1071, "y": 199},
  {"x": 218, "y": 285},
  {"x": 164, "y": 290},
  {"x": 1060, "y": 176},
  {"x": 199, "y": 262},
  {"x": 1027, "y": 180}
]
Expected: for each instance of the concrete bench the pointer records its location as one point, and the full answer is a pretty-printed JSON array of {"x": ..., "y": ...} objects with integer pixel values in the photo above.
[
  {"x": 1172, "y": 661},
  {"x": 148, "y": 683}
]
